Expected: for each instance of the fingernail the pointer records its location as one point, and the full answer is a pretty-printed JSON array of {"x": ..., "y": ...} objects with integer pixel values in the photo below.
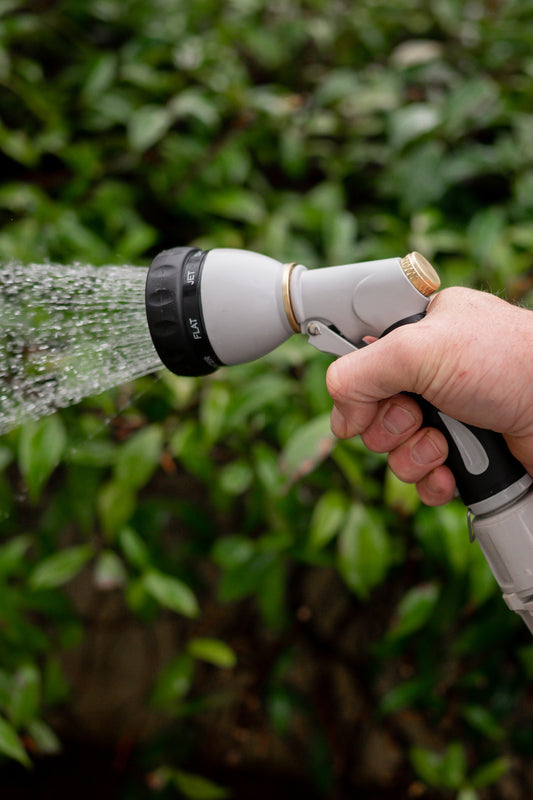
[
  {"x": 425, "y": 450},
  {"x": 397, "y": 419}
]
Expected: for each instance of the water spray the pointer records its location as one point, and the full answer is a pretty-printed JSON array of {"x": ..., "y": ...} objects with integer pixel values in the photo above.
[
  {"x": 68, "y": 332},
  {"x": 228, "y": 306}
]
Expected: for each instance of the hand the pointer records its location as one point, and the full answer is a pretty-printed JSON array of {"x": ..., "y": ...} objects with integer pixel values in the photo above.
[{"x": 471, "y": 357}]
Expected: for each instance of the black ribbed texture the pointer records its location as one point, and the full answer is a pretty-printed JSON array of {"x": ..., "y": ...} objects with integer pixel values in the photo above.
[{"x": 174, "y": 312}]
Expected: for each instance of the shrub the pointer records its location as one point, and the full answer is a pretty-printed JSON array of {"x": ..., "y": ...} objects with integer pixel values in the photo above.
[{"x": 216, "y": 520}]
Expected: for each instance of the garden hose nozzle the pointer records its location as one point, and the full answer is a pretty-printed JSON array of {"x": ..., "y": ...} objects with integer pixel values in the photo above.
[
  {"x": 225, "y": 306},
  {"x": 206, "y": 309}
]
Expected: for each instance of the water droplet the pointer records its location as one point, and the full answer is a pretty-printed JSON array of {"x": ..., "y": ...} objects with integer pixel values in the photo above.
[{"x": 67, "y": 332}]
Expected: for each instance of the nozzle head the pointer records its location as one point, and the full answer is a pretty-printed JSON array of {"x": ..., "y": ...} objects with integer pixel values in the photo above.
[
  {"x": 174, "y": 312},
  {"x": 420, "y": 272}
]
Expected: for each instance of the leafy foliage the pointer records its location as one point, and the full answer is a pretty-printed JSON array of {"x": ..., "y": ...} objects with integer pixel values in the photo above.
[{"x": 315, "y": 132}]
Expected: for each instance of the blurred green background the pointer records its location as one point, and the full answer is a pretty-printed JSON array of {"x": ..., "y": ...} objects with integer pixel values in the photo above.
[{"x": 202, "y": 595}]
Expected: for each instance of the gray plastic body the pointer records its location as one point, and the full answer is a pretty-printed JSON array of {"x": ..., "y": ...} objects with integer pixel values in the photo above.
[
  {"x": 506, "y": 539},
  {"x": 242, "y": 304},
  {"x": 242, "y": 301},
  {"x": 361, "y": 299}
]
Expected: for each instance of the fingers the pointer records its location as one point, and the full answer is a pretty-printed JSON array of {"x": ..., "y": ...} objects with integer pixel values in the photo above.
[
  {"x": 415, "y": 458},
  {"x": 437, "y": 488},
  {"x": 366, "y": 403},
  {"x": 420, "y": 460},
  {"x": 394, "y": 422},
  {"x": 416, "y": 455},
  {"x": 359, "y": 381}
]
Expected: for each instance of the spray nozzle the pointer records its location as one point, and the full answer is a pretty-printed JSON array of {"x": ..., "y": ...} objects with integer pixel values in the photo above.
[{"x": 228, "y": 306}]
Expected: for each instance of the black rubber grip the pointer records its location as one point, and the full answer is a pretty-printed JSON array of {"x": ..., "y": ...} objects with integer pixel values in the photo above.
[{"x": 470, "y": 449}]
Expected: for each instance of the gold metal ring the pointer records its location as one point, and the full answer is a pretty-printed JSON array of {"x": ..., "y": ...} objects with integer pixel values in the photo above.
[
  {"x": 286, "y": 292},
  {"x": 421, "y": 273}
]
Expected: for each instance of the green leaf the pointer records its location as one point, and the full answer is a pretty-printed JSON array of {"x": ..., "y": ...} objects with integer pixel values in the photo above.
[
  {"x": 41, "y": 446},
  {"x": 414, "y": 610},
  {"x": 281, "y": 710},
  {"x": 404, "y": 695},
  {"x": 486, "y": 231},
  {"x": 55, "y": 686},
  {"x": 467, "y": 794},
  {"x": 188, "y": 444},
  {"x": 271, "y": 593},
  {"x": 192, "y": 103},
  {"x": 482, "y": 583},
  {"x": 236, "y": 477},
  {"x": 134, "y": 548},
  {"x": 525, "y": 655},
  {"x": 213, "y": 651},
  {"x": 237, "y": 204},
  {"x": 475, "y": 99},
  {"x": 214, "y": 410},
  {"x": 57, "y": 569},
  {"x": 116, "y": 503},
  {"x": 264, "y": 392},
  {"x": 192, "y": 787},
  {"x": 196, "y": 787},
  {"x": 25, "y": 696},
  {"x": 401, "y": 497},
  {"x": 454, "y": 535},
  {"x": 245, "y": 578},
  {"x": 484, "y": 721},
  {"x": 6, "y": 457},
  {"x": 364, "y": 550},
  {"x": 427, "y": 765},
  {"x": 171, "y": 593},
  {"x": 447, "y": 771},
  {"x": 490, "y": 773},
  {"x": 92, "y": 453},
  {"x": 173, "y": 683},
  {"x": 139, "y": 457},
  {"x": 266, "y": 465},
  {"x": 452, "y": 546},
  {"x": 99, "y": 77},
  {"x": 43, "y": 738},
  {"x": 109, "y": 571},
  {"x": 137, "y": 597},
  {"x": 10, "y": 744},
  {"x": 412, "y": 122},
  {"x": 453, "y": 767},
  {"x": 307, "y": 447},
  {"x": 232, "y": 551},
  {"x": 12, "y": 553},
  {"x": 328, "y": 515},
  {"x": 147, "y": 126}
]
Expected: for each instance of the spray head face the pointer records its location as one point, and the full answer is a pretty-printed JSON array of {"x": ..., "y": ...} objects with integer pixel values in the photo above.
[{"x": 174, "y": 314}]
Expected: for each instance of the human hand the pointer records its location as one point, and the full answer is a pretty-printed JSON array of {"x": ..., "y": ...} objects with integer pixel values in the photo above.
[{"x": 471, "y": 357}]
